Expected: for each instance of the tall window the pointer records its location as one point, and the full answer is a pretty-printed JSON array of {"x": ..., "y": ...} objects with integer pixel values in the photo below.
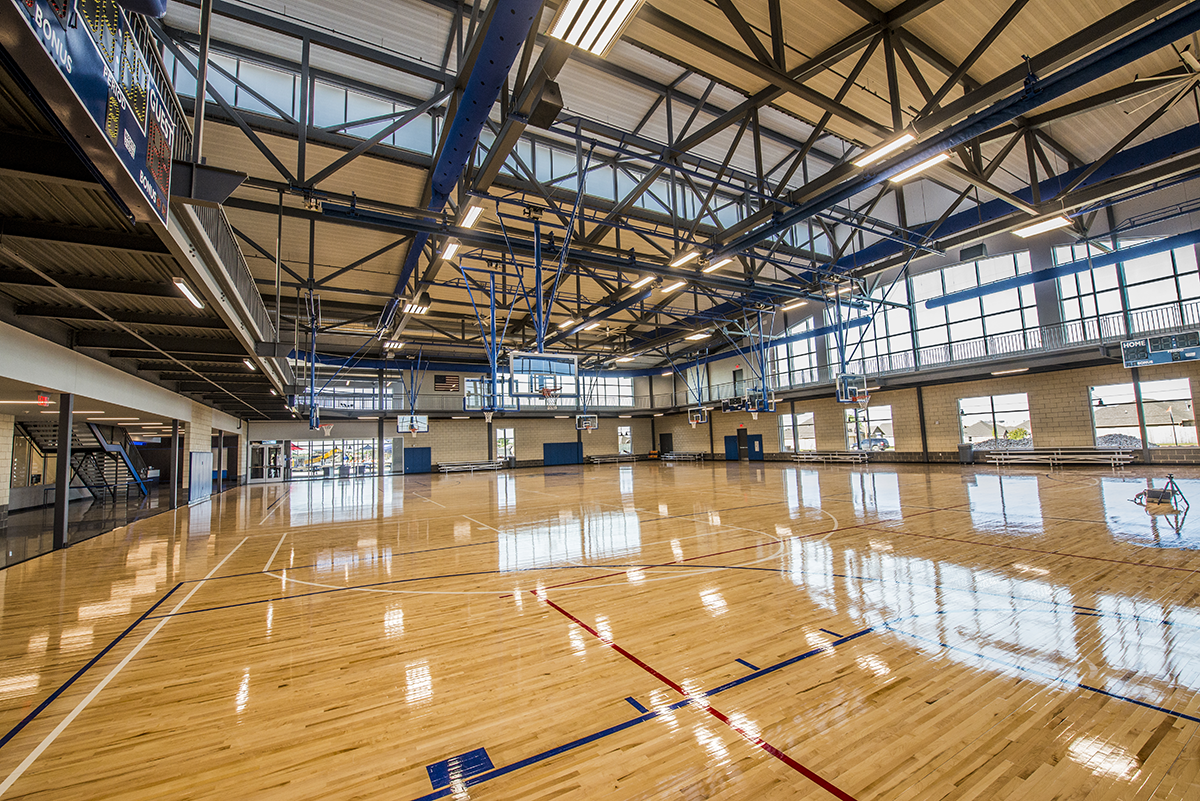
[
  {"x": 608, "y": 391},
  {"x": 505, "y": 443},
  {"x": 798, "y": 433},
  {"x": 1001, "y": 322},
  {"x": 882, "y": 345},
  {"x": 870, "y": 429},
  {"x": 1166, "y": 408},
  {"x": 796, "y": 362},
  {"x": 624, "y": 440},
  {"x": 996, "y": 421}
]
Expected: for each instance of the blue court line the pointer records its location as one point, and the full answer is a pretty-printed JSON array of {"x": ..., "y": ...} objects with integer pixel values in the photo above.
[
  {"x": 634, "y": 702},
  {"x": 79, "y": 673},
  {"x": 747, "y": 664},
  {"x": 611, "y": 730},
  {"x": 1049, "y": 676},
  {"x": 830, "y": 633}
]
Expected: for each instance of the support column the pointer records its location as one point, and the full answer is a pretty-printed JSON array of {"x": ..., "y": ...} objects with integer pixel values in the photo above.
[
  {"x": 6, "y": 459},
  {"x": 1135, "y": 374},
  {"x": 62, "y": 477},
  {"x": 219, "y": 483},
  {"x": 379, "y": 462},
  {"x": 173, "y": 469}
]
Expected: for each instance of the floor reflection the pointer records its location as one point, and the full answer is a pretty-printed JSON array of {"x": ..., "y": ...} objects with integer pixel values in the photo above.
[{"x": 569, "y": 538}]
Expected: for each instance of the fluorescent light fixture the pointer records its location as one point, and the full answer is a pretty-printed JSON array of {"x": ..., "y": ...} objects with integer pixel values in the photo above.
[
  {"x": 697, "y": 337},
  {"x": 879, "y": 152},
  {"x": 591, "y": 326},
  {"x": 249, "y": 364},
  {"x": 673, "y": 287},
  {"x": 111, "y": 419},
  {"x": 450, "y": 249},
  {"x": 593, "y": 25},
  {"x": 716, "y": 265},
  {"x": 794, "y": 305},
  {"x": 641, "y": 283},
  {"x": 369, "y": 418},
  {"x": 659, "y": 414},
  {"x": 1011, "y": 372},
  {"x": 192, "y": 297},
  {"x": 561, "y": 417},
  {"x": 460, "y": 418},
  {"x": 684, "y": 258},
  {"x": 472, "y": 216},
  {"x": 624, "y": 416},
  {"x": 1042, "y": 227},
  {"x": 667, "y": 373},
  {"x": 274, "y": 393},
  {"x": 922, "y": 167},
  {"x": 418, "y": 305},
  {"x": 625, "y": 359},
  {"x": 392, "y": 344},
  {"x": 567, "y": 323}
]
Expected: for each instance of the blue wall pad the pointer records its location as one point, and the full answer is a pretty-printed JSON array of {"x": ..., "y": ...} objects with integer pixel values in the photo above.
[
  {"x": 556, "y": 453},
  {"x": 418, "y": 460}
]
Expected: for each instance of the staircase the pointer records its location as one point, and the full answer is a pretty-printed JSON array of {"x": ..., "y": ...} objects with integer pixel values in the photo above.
[{"x": 103, "y": 458}]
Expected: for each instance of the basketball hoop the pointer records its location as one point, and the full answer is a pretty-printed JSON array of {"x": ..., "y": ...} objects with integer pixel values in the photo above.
[
  {"x": 863, "y": 401},
  {"x": 550, "y": 396},
  {"x": 753, "y": 415},
  {"x": 693, "y": 422},
  {"x": 413, "y": 429},
  {"x": 487, "y": 417},
  {"x": 326, "y": 428}
]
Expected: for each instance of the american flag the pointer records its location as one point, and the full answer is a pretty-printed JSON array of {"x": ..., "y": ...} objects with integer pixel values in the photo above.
[{"x": 446, "y": 383}]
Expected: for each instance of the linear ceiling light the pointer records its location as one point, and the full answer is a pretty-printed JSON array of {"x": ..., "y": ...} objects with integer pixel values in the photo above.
[
  {"x": 625, "y": 359},
  {"x": 673, "y": 286},
  {"x": 392, "y": 344},
  {"x": 590, "y": 327},
  {"x": 684, "y": 258},
  {"x": 192, "y": 297},
  {"x": 1011, "y": 372},
  {"x": 567, "y": 323},
  {"x": 879, "y": 152},
  {"x": 697, "y": 337},
  {"x": 249, "y": 364},
  {"x": 472, "y": 215},
  {"x": 418, "y": 305},
  {"x": 643, "y": 282},
  {"x": 593, "y": 25},
  {"x": 450, "y": 249},
  {"x": 1042, "y": 227},
  {"x": 922, "y": 167},
  {"x": 716, "y": 265},
  {"x": 797, "y": 304}
]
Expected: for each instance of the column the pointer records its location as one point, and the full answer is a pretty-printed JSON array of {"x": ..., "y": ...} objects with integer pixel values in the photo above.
[
  {"x": 174, "y": 472},
  {"x": 62, "y": 478},
  {"x": 379, "y": 465},
  {"x": 6, "y": 458}
]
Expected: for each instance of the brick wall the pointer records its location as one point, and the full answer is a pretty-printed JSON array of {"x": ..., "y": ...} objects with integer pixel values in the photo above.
[
  {"x": 197, "y": 437},
  {"x": 452, "y": 440}
]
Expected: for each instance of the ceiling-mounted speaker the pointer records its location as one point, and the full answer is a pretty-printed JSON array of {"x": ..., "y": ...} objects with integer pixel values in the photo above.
[
  {"x": 150, "y": 8},
  {"x": 973, "y": 253},
  {"x": 549, "y": 103}
]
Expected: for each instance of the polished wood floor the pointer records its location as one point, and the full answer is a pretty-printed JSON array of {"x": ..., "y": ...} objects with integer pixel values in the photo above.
[{"x": 687, "y": 631}]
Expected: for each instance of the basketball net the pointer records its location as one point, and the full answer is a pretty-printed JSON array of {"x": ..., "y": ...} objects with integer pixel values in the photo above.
[
  {"x": 693, "y": 422},
  {"x": 413, "y": 430},
  {"x": 550, "y": 395},
  {"x": 753, "y": 415},
  {"x": 326, "y": 428},
  {"x": 487, "y": 417},
  {"x": 863, "y": 402}
]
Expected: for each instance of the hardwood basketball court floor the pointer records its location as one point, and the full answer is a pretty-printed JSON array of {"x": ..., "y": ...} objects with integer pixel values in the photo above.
[{"x": 644, "y": 631}]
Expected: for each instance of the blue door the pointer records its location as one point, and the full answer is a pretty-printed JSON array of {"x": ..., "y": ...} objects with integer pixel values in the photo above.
[
  {"x": 731, "y": 449},
  {"x": 417, "y": 460},
  {"x": 756, "y": 447}
]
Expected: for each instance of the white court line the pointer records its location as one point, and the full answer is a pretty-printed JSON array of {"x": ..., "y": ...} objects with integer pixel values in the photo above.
[
  {"x": 485, "y": 525},
  {"x": 431, "y": 500},
  {"x": 267, "y": 566},
  {"x": 275, "y": 505},
  {"x": 52, "y": 736}
]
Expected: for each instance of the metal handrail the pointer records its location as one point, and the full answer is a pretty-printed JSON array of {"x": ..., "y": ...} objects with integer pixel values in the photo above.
[{"x": 220, "y": 234}]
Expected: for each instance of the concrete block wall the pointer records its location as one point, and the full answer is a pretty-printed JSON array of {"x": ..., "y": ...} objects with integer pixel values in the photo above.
[
  {"x": 197, "y": 438},
  {"x": 532, "y": 433},
  {"x": 451, "y": 440},
  {"x": 6, "y": 455}
]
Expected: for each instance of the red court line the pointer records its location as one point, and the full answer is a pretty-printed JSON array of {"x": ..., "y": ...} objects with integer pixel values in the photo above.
[
  {"x": 734, "y": 550},
  {"x": 807, "y": 773},
  {"x": 1033, "y": 550}
]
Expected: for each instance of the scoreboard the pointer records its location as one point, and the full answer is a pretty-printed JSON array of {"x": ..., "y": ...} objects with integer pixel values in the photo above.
[
  {"x": 94, "y": 49},
  {"x": 1164, "y": 349}
]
